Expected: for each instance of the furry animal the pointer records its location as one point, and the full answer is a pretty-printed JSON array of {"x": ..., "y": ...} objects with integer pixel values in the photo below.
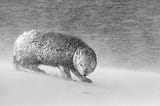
[{"x": 68, "y": 53}]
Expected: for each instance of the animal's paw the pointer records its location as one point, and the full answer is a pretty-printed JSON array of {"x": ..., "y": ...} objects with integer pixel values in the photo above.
[
  {"x": 68, "y": 79},
  {"x": 87, "y": 80}
]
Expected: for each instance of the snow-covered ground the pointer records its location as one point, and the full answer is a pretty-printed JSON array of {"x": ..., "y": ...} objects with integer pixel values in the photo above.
[{"x": 111, "y": 87}]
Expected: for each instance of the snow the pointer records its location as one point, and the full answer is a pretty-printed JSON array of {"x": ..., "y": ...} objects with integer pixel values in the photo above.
[{"x": 110, "y": 87}]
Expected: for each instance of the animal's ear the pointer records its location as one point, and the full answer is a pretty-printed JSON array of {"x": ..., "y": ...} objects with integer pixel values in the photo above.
[
  {"x": 78, "y": 53},
  {"x": 93, "y": 64}
]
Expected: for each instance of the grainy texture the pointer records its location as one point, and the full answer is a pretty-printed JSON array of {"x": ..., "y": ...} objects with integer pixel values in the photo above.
[
  {"x": 33, "y": 48},
  {"x": 124, "y": 33}
]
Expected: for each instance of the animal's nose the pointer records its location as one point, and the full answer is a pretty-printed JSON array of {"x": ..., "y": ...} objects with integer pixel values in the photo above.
[{"x": 84, "y": 74}]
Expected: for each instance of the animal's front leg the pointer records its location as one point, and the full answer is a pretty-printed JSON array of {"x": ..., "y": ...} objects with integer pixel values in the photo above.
[
  {"x": 81, "y": 77},
  {"x": 65, "y": 72}
]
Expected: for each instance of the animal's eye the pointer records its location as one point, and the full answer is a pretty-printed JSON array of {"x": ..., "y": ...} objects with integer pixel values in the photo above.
[{"x": 81, "y": 65}]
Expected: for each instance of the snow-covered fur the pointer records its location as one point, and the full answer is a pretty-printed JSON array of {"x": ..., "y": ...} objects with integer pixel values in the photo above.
[{"x": 68, "y": 53}]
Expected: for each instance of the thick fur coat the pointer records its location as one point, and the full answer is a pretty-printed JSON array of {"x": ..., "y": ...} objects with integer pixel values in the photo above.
[{"x": 54, "y": 49}]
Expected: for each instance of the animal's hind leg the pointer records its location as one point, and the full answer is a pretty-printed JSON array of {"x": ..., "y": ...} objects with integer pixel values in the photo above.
[
  {"x": 20, "y": 67},
  {"x": 17, "y": 66},
  {"x": 65, "y": 72},
  {"x": 23, "y": 67},
  {"x": 35, "y": 68}
]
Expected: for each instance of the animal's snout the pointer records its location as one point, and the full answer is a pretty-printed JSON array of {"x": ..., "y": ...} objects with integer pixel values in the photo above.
[{"x": 84, "y": 74}]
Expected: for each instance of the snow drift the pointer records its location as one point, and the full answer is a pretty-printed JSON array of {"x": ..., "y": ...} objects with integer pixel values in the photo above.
[{"x": 110, "y": 87}]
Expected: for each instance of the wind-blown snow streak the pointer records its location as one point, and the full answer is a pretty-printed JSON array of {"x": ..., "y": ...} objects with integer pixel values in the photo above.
[{"x": 110, "y": 87}]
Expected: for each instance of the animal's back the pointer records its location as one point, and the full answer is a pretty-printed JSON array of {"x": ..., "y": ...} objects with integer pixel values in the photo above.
[
  {"x": 46, "y": 48},
  {"x": 62, "y": 47}
]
